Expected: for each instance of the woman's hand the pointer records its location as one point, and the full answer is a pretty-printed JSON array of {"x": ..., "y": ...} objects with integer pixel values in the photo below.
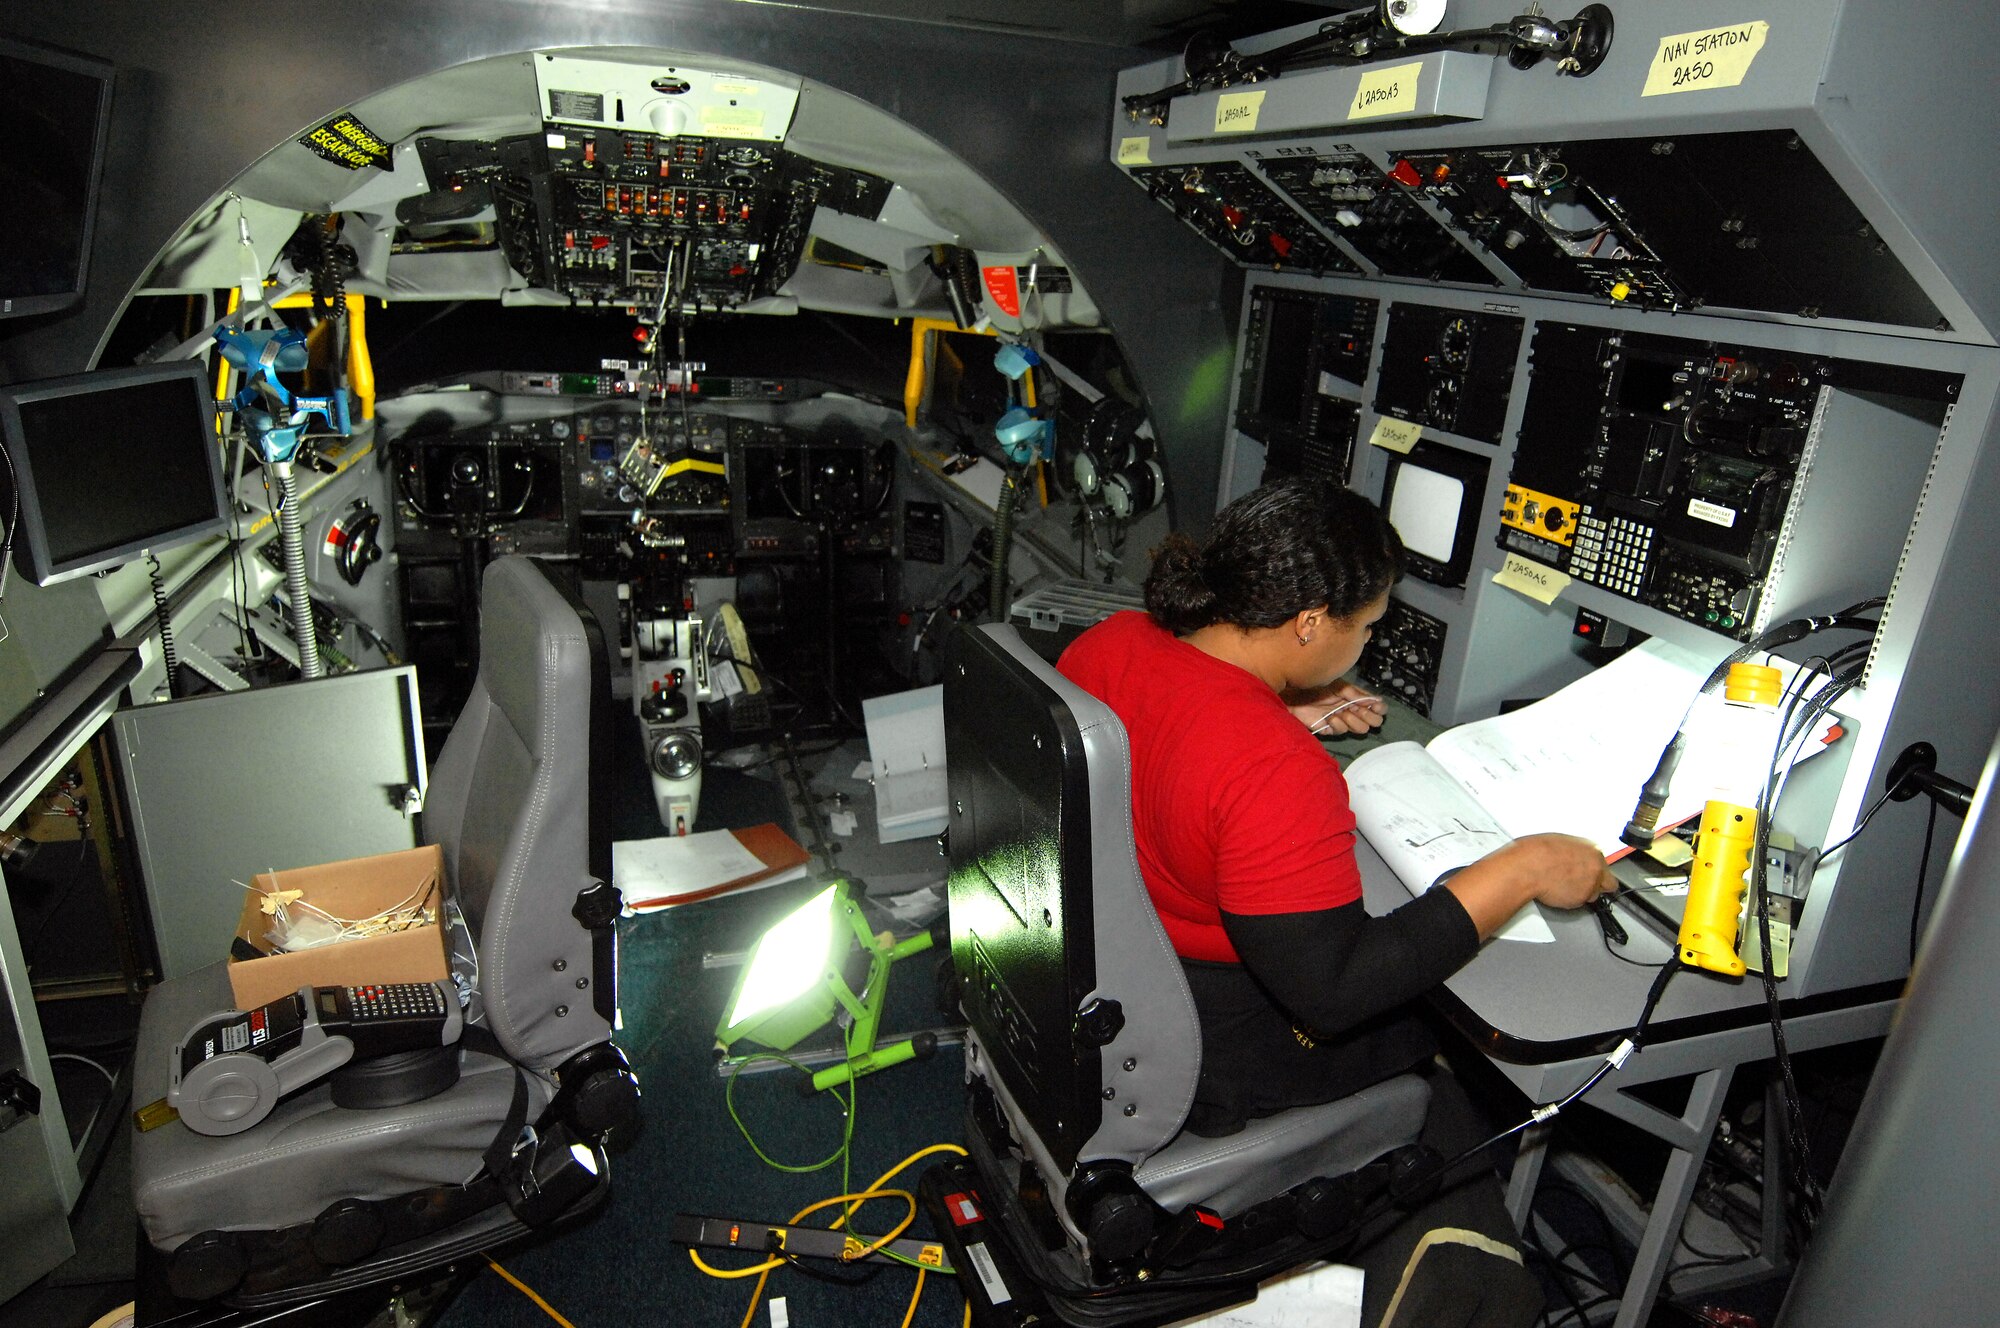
[{"x": 1352, "y": 710}]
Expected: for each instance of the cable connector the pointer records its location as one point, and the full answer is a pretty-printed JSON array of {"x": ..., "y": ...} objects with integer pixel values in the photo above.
[
  {"x": 1545, "y": 1112},
  {"x": 1621, "y": 1053}
]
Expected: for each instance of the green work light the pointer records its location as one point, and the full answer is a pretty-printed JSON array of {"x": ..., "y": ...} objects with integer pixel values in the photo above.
[{"x": 820, "y": 962}]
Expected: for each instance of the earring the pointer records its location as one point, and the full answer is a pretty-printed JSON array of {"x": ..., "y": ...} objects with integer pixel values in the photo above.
[{"x": 1305, "y": 640}]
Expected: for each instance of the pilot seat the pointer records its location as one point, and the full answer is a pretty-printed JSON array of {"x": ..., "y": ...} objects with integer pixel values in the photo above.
[
  {"x": 374, "y": 1173},
  {"x": 1082, "y": 1047}
]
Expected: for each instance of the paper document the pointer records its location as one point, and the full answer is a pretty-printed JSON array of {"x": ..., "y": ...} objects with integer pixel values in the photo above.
[
  {"x": 1571, "y": 763},
  {"x": 654, "y": 873}
]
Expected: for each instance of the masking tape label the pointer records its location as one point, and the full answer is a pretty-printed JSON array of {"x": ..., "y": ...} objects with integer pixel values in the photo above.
[
  {"x": 1236, "y": 112},
  {"x": 1710, "y": 58},
  {"x": 1391, "y": 91},
  {"x": 1135, "y": 151},
  {"x": 1532, "y": 579},
  {"x": 1395, "y": 435}
]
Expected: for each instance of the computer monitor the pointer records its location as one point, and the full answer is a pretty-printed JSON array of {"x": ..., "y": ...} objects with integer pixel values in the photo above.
[
  {"x": 1433, "y": 496},
  {"x": 105, "y": 464},
  {"x": 56, "y": 109}
]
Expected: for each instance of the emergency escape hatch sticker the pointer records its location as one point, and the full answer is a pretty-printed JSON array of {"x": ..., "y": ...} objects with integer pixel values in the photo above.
[
  {"x": 1711, "y": 58},
  {"x": 1005, "y": 288},
  {"x": 345, "y": 141}
]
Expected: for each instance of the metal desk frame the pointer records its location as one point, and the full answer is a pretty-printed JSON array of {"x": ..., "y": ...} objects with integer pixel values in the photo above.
[{"x": 1538, "y": 1012}]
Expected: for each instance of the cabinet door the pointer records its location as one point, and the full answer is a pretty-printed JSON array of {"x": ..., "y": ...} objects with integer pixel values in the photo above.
[{"x": 223, "y": 786}]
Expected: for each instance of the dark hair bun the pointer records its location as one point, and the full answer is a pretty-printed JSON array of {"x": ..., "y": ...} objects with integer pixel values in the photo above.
[{"x": 1177, "y": 594}]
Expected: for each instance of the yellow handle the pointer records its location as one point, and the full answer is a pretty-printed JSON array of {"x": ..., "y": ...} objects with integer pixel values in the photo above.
[{"x": 1717, "y": 882}]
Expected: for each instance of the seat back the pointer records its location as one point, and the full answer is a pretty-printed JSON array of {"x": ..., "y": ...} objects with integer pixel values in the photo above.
[
  {"x": 509, "y": 804},
  {"x": 1079, "y": 1015}
]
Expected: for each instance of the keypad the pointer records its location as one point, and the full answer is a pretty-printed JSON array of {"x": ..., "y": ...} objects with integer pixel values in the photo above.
[
  {"x": 1612, "y": 553},
  {"x": 397, "y": 1000}
]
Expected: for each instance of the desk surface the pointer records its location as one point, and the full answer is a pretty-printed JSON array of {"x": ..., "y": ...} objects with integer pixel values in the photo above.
[{"x": 1572, "y": 999}]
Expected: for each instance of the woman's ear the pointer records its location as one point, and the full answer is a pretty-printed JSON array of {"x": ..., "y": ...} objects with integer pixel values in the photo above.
[{"x": 1305, "y": 623}]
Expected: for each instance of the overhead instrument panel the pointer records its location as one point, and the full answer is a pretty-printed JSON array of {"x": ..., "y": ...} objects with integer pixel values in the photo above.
[
  {"x": 660, "y": 188},
  {"x": 1448, "y": 369},
  {"x": 1353, "y": 198},
  {"x": 667, "y": 100},
  {"x": 1238, "y": 213},
  {"x": 1740, "y": 220}
]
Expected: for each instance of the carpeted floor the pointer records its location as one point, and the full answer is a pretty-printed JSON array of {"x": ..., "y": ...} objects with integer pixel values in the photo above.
[{"x": 619, "y": 1267}]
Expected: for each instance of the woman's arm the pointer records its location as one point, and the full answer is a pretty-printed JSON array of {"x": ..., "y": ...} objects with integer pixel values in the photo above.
[{"x": 1332, "y": 968}]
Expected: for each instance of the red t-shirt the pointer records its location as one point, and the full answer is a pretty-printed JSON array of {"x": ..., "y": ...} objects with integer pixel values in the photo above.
[{"x": 1235, "y": 806}]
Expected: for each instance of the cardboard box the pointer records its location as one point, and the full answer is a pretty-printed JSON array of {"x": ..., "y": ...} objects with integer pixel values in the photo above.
[{"x": 356, "y": 888}]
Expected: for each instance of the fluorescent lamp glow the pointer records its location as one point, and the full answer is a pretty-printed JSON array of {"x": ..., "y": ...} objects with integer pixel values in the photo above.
[{"x": 789, "y": 961}]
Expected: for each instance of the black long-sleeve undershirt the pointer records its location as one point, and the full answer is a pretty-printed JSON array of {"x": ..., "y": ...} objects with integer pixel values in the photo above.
[{"x": 1331, "y": 969}]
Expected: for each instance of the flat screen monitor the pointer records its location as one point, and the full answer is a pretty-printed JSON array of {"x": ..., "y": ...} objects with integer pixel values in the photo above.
[
  {"x": 106, "y": 464},
  {"x": 55, "y": 108},
  {"x": 1433, "y": 496}
]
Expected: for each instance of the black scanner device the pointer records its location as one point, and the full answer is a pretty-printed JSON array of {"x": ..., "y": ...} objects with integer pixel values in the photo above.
[{"x": 234, "y": 1066}]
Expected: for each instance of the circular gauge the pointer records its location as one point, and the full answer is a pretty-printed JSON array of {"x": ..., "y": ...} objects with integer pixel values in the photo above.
[
  {"x": 1455, "y": 342},
  {"x": 675, "y": 754},
  {"x": 1442, "y": 404}
]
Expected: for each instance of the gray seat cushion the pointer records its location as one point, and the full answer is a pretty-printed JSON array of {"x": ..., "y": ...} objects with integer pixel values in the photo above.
[
  {"x": 308, "y": 1152},
  {"x": 1270, "y": 1155}
]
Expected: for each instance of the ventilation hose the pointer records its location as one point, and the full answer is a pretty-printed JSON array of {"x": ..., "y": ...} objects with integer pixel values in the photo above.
[
  {"x": 291, "y": 544},
  {"x": 1003, "y": 531}
]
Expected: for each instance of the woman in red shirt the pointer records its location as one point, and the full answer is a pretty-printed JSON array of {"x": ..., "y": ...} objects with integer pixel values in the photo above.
[{"x": 1244, "y": 835}]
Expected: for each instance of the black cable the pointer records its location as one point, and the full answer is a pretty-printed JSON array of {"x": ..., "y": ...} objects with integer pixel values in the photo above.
[
  {"x": 168, "y": 654},
  {"x": 1611, "y": 1062},
  {"x": 870, "y": 1271},
  {"x": 1923, "y": 866}
]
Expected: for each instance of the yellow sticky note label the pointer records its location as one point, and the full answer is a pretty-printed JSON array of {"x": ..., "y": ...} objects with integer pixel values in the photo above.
[
  {"x": 1531, "y": 579},
  {"x": 1396, "y": 435},
  {"x": 1670, "y": 851},
  {"x": 1134, "y": 151},
  {"x": 1710, "y": 58},
  {"x": 1236, "y": 112},
  {"x": 1386, "y": 91},
  {"x": 724, "y": 118}
]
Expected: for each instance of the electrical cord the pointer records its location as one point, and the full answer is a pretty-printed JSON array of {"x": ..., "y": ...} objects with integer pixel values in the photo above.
[
  {"x": 168, "y": 655},
  {"x": 1923, "y": 866},
  {"x": 528, "y": 1291}
]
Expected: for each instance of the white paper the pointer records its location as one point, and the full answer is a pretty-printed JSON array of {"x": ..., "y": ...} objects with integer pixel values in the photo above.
[
  {"x": 679, "y": 864},
  {"x": 1320, "y": 1295},
  {"x": 1575, "y": 761},
  {"x": 1424, "y": 825}
]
